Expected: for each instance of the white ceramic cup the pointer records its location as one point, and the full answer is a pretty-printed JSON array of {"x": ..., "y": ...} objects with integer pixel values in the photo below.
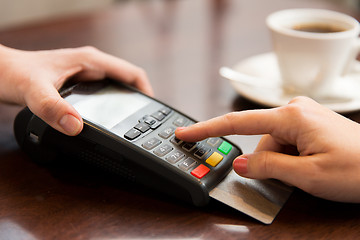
[{"x": 310, "y": 62}]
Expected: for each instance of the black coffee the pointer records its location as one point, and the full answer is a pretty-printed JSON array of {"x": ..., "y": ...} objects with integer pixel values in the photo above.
[{"x": 318, "y": 28}]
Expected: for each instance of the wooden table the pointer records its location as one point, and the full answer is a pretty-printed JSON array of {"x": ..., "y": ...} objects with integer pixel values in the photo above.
[{"x": 181, "y": 44}]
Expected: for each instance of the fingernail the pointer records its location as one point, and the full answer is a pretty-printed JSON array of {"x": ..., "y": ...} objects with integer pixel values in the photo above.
[
  {"x": 70, "y": 124},
  {"x": 240, "y": 165},
  {"x": 180, "y": 129}
]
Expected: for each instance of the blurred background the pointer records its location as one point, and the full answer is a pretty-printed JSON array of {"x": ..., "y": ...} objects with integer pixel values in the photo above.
[
  {"x": 19, "y": 12},
  {"x": 22, "y": 12},
  {"x": 169, "y": 39}
]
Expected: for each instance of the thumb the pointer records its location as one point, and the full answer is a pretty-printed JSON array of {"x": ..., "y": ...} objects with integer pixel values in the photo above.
[
  {"x": 48, "y": 105},
  {"x": 266, "y": 164}
]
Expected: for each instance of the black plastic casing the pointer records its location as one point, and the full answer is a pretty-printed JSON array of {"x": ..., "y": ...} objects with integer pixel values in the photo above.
[{"x": 107, "y": 151}]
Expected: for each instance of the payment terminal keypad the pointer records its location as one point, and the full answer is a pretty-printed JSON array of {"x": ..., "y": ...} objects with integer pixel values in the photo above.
[{"x": 156, "y": 134}]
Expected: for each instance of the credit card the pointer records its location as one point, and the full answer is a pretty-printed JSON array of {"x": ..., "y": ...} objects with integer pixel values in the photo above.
[{"x": 260, "y": 199}]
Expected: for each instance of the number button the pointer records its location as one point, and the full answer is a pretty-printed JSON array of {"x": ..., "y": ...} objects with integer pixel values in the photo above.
[
  {"x": 201, "y": 152},
  {"x": 176, "y": 141},
  {"x": 151, "y": 143},
  {"x": 158, "y": 116},
  {"x": 163, "y": 150},
  {"x": 175, "y": 157},
  {"x": 165, "y": 111},
  {"x": 180, "y": 121},
  {"x": 167, "y": 132},
  {"x": 187, "y": 164},
  {"x": 213, "y": 141},
  {"x": 189, "y": 146}
]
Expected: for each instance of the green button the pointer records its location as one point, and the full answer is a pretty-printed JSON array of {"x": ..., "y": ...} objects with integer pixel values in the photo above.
[{"x": 225, "y": 147}]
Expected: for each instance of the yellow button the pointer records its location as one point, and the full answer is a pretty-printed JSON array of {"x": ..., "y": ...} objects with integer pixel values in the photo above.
[{"x": 214, "y": 159}]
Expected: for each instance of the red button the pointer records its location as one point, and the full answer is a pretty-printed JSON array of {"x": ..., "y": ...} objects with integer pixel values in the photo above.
[{"x": 200, "y": 171}]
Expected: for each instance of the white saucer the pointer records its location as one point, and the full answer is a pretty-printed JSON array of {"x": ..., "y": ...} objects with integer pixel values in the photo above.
[{"x": 265, "y": 66}]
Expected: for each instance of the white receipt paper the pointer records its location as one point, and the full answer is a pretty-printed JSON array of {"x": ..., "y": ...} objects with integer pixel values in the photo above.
[{"x": 260, "y": 199}]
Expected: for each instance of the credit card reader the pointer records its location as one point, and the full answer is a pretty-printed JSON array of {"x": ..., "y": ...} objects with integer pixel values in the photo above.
[{"x": 132, "y": 135}]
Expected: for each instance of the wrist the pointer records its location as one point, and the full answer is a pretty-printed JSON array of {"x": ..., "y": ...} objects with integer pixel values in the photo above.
[
  {"x": 5, "y": 58},
  {"x": 8, "y": 74}
]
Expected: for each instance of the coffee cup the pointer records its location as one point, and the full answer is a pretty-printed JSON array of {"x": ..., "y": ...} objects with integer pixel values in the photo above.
[{"x": 314, "y": 48}]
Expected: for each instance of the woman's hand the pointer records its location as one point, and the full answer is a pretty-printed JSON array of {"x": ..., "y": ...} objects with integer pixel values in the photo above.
[
  {"x": 305, "y": 145},
  {"x": 32, "y": 78}
]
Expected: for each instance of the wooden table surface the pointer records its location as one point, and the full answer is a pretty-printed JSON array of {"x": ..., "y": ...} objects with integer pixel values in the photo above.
[{"x": 181, "y": 44}]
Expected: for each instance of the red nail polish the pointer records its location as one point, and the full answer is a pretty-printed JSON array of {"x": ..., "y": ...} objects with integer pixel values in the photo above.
[{"x": 240, "y": 165}]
